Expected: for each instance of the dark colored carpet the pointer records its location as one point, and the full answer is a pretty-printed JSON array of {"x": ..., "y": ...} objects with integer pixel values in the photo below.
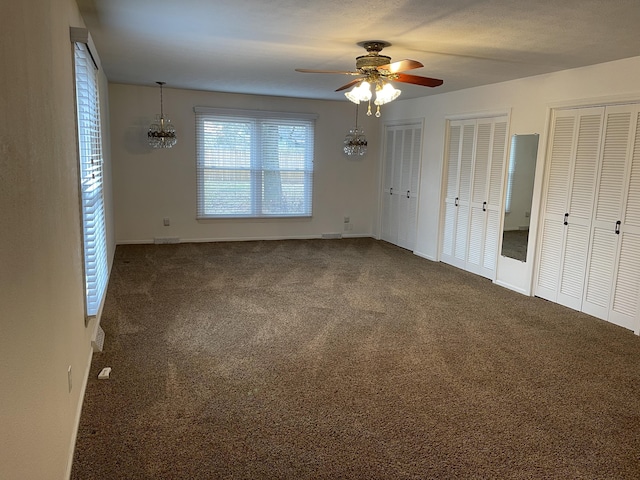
[
  {"x": 336, "y": 359},
  {"x": 514, "y": 244}
]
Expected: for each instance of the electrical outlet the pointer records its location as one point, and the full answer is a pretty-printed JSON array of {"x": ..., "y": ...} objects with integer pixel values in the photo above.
[
  {"x": 347, "y": 219},
  {"x": 70, "y": 378},
  {"x": 166, "y": 221}
]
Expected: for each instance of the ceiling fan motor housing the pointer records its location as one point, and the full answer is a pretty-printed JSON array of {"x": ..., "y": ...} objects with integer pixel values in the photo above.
[{"x": 371, "y": 62}]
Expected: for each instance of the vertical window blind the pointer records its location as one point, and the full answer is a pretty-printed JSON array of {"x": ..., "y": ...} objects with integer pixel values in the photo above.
[
  {"x": 253, "y": 163},
  {"x": 91, "y": 178}
]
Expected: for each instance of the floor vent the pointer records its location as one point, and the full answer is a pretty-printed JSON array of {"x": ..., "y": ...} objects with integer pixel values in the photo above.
[
  {"x": 98, "y": 343},
  {"x": 162, "y": 240},
  {"x": 331, "y": 235}
]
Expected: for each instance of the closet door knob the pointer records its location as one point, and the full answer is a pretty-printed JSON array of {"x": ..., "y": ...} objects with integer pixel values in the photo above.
[
  {"x": 456, "y": 202},
  {"x": 391, "y": 191},
  {"x": 408, "y": 194},
  {"x": 618, "y": 227},
  {"x": 484, "y": 206},
  {"x": 566, "y": 219}
]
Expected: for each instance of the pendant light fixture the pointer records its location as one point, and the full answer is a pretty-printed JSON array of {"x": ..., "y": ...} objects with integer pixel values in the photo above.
[
  {"x": 355, "y": 143},
  {"x": 161, "y": 132}
]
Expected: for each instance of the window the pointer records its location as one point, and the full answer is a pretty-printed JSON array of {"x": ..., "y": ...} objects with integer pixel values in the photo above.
[
  {"x": 253, "y": 163},
  {"x": 91, "y": 180},
  {"x": 510, "y": 174}
]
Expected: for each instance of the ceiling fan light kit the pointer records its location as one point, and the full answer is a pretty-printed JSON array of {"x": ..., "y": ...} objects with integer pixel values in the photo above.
[
  {"x": 361, "y": 93},
  {"x": 386, "y": 94},
  {"x": 161, "y": 133},
  {"x": 377, "y": 71}
]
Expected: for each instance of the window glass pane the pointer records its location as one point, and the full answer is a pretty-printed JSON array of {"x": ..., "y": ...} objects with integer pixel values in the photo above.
[
  {"x": 91, "y": 179},
  {"x": 252, "y": 165}
]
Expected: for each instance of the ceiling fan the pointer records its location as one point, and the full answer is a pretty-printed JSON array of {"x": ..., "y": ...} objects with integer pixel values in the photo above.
[{"x": 377, "y": 70}]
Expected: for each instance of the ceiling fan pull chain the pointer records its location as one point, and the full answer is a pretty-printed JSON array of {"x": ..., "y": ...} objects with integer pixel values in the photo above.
[
  {"x": 369, "y": 109},
  {"x": 378, "y": 111}
]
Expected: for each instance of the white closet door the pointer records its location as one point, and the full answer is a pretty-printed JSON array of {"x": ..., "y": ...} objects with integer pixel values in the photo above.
[
  {"x": 612, "y": 275},
  {"x": 625, "y": 308},
  {"x": 400, "y": 190},
  {"x": 464, "y": 195},
  {"x": 496, "y": 172},
  {"x": 406, "y": 137},
  {"x": 486, "y": 196},
  {"x": 396, "y": 186},
  {"x": 573, "y": 165},
  {"x": 557, "y": 191},
  {"x": 413, "y": 152},
  {"x": 473, "y": 200},
  {"x": 458, "y": 195},
  {"x": 582, "y": 175},
  {"x": 387, "y": 190},
  {"x": 478, "y": 201},
  {"x": 451, "y": 194}
]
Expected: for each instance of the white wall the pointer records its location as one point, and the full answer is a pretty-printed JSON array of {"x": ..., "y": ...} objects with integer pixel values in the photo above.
[
  {"x": 42, "y": 327},
  {"x": 150, "y": 185},
  {"x": 528, "y": 101}
]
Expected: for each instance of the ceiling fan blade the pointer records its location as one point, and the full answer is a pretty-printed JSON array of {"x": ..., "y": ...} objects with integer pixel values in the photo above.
[
  {"x": 417, "y": 80},
  {"x": 307, "y": 70},
  {"x": 350, "y": 84},
  {"x": 401, "y": 66}
]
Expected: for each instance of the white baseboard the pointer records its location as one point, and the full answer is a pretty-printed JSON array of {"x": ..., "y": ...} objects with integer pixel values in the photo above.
[
  {"x": 424, "y": 255},
  {"x": 511, "y": 287},
  {"x": 151, "y": 241},
  {"x": 76, "y": 422},
  {"x": 358, "y": 235}
]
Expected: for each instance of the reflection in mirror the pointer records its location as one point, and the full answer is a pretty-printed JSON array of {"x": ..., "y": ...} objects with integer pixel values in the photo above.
[{"x": 521, "y": 173}]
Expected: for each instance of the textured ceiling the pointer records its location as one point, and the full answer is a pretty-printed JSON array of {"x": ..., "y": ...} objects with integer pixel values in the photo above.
[{"x": 253, "y": 46}]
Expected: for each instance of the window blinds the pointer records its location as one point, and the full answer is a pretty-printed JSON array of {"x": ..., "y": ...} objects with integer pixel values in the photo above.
[
  {"x": 91, "y": 178},
  {"x": 254, "y": 163},
  {"x": 510, "y": 174}
]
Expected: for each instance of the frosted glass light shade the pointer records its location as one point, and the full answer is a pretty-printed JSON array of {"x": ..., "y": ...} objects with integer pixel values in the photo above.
[
  {"x": 361, "y": 93},
  {"x": 386, "y": 94}
]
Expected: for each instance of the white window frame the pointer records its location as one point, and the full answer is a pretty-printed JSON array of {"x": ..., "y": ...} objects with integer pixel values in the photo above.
[
  {"x": 91, "y": 176},
  {"x": 255, "y": 122}
]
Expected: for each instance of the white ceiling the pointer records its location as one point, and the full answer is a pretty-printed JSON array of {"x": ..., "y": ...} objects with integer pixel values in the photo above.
[{"x": 253, "y": 46}]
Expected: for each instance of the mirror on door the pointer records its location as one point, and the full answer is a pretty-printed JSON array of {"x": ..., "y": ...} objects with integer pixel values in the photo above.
[{"x": 521, "y": 173}]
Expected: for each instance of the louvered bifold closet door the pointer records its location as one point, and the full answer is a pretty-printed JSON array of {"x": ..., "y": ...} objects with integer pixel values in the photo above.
[
  {"x": 555, "y": 204},
  {"x": 486, "y": 196},
  {"x": 400, "y": 184},
  {"x": 494, "y": 198},
  {"x": 451, "y": 193},
  {"x": 467, "y": 153},
  {"x": 408, "y": 194},
  {"x": 612, "y": 278},
  {"x": 625, "y": 305},
  {"x": 570, "y": 186},
  {"x": 389, "y": 227},
  {"x": 457, "y": 201},
  {"x": 477, "y": 205},
  {"x": 582, "y": 183}
]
